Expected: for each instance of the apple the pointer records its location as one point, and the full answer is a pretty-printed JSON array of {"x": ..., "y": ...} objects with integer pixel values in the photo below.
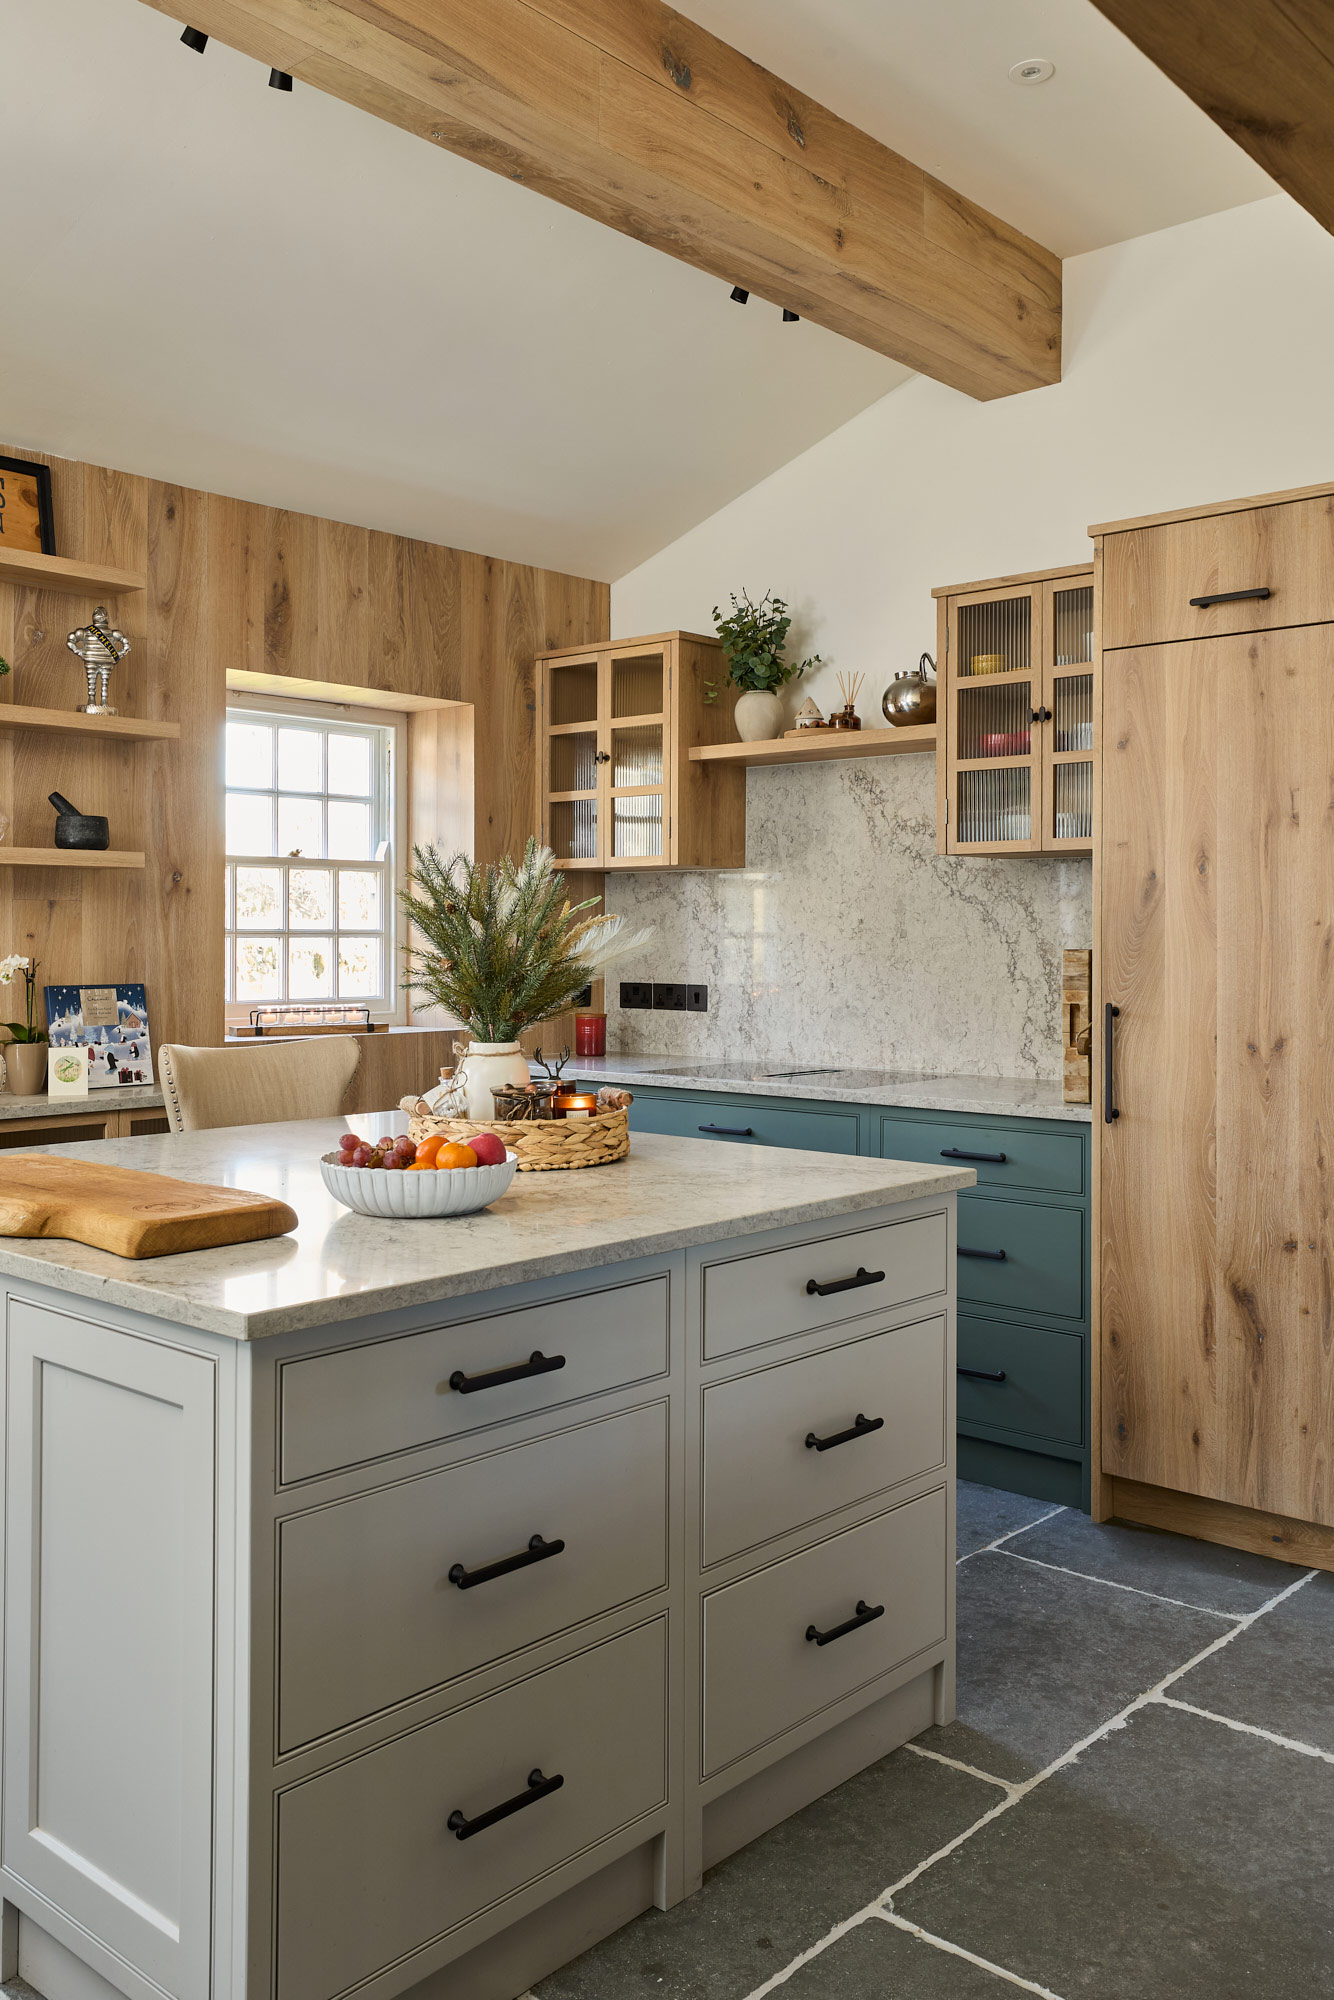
[{"x": 489, "y": 1149}]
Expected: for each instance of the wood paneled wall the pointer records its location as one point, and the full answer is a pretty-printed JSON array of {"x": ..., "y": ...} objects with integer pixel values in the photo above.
[{"x": 233, "y": 586}]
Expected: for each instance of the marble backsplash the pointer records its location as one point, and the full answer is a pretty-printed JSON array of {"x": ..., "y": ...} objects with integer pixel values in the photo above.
[{"x": 847, "y": 938}]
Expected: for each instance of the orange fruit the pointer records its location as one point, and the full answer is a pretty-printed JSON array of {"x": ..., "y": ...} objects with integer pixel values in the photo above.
[
  {"x": 428, "y": 1149},
  {"x": 420, "y": 1167},
  {"x": 455, "y": 1155}
]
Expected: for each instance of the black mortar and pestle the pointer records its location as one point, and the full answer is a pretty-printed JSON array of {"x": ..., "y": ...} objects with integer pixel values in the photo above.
[{"x": 76, "y": 829}]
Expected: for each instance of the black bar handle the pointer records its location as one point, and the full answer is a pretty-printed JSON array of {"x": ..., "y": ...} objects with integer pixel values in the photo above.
[
  {"x": 536, "y": 1364},
  {"x": 861, "y": 1427},
  {"x": 729, "y": 1131},
  {"x": 538, "y": 1788},
  {"x": 991, "y": 1256},
  {"x": 982, "y": 1374},
  {"x": 865, "y": 1614},
  {"x": 1110, "y": 1114},
  {"x": 537, "y": 1551},
  {"x": 957, "y": 1153},
  {"x": 1230, "y": 597},
  {"x": 863, "y": 1277}
]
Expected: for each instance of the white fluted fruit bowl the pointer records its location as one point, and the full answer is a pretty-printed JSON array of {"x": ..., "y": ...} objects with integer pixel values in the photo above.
[{"x": 405, "y": 1197}]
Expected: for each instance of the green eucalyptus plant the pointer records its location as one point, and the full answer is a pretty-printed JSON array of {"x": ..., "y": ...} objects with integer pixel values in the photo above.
[{"x": 753, "y": 637}]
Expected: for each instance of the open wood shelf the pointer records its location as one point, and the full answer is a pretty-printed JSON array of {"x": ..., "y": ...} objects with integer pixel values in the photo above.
[
  {"x": 67, "y": 857},
  {"x": 21, "y": 566},
  {"x": 822, "y": 746},
  {"x": 128, "y": 728}
]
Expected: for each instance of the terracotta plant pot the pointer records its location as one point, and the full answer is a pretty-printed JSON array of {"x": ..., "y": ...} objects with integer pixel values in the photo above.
[
  {"x": 759, "y": 716},
  {"x": 25, "y": 1066}
]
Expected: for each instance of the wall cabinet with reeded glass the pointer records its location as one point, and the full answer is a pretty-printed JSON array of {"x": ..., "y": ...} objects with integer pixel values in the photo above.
[
  {"x": 1018, "y": 683},
  {"x": 616, "y": 787}
]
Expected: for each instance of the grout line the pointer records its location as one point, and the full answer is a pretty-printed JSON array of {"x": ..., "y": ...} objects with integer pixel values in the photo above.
[
  {"x": 1036, "y": 1563},
  {"x": 805, "y": 1957},
  {"x": 958, "y": 1951},
  {"x": 1008, "y": 1536},
  {"x": 1247, "y": 1729},
  {"x": 969, "y": 1770}
]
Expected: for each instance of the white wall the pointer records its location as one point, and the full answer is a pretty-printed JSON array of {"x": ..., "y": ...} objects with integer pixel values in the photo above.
[{"x": 1199, "y": 364}]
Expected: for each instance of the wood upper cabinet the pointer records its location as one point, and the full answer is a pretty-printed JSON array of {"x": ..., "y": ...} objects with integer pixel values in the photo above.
[
  {"x": 1017, "y": 709},
  {"x": 616, "y": 787}
]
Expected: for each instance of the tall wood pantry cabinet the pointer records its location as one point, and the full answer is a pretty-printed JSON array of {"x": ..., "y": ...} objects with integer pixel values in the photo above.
[
  {"x": 1016, "y": 662},
  {"x": 1217, "y": 983},
  {"x": 616, "y": 786}
]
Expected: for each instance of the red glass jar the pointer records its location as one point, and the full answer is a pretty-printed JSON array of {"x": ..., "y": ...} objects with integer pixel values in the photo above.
[{"x": 590, "y": 1034}]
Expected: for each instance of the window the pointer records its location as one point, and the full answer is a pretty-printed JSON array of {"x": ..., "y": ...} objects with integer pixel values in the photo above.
[{"x": 310, "y": 858}]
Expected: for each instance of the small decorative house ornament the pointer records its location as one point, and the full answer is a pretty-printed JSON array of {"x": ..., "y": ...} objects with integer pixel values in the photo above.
[
  {"x": 809, "y": 715},
  {"x": 100, "y": 647}
]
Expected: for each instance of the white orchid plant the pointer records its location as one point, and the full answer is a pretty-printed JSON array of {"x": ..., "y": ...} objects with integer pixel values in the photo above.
[{"x": 12, "y": 968}]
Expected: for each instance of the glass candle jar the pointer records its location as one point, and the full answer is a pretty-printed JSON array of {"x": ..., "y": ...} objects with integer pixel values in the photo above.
[
  {"x": 524, "y": 1100},
  {"x": 590, "y": 1034}
]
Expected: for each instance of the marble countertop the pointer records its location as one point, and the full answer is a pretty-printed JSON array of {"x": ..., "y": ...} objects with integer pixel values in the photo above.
[
  {"x": 997, "y": 1096},
  {"x": 335, "y": 1266},
  {"x": 146, "y": 1097}
]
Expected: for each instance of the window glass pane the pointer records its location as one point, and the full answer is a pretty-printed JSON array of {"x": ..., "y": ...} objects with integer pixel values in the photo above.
[
  {"x": 300, "y": 760},
  {"x": 309, "y": 899},
  {"x": 257, "y": 969},
  {"x": 310, "y": 963},
  {"x": 300, "y": 826},
  {"x": 358, "y": 968},
  {"x": 349, "y": 831},
  {"x": 227, "y": 968},
  {"x": 249, "y": 824},
  {"x": 259, "y": 898},
  {"x": 249, "y": 754},
  {"x": 358, "y": 900},
  {"x": 228, "y": 905},
  {"x": 350, "y": 764}
]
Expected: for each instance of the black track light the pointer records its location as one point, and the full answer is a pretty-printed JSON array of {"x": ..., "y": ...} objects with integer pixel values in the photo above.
[
  {"x": 196, "y": 39},
  {"x": 790, "y": 318},
  {"x": 740, "y": 295},
  {"x": 279, "y": 80}
]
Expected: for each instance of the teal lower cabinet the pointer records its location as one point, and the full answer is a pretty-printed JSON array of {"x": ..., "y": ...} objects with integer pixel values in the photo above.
[{"x": 752, "y": 1121}]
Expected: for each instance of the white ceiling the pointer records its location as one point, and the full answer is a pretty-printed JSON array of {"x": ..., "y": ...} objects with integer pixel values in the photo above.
[{"x": 280, "y": 297}]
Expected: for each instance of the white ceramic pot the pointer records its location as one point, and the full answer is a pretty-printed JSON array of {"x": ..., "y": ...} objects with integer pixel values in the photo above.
[
  {"x": 25, "y": 1064},
  {"x": 759, "y": 716},
  {"x": 484, "y": 1068}
]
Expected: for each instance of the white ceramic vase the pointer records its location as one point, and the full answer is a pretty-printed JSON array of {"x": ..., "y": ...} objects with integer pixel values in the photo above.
[
  {"x": 485, "y": 1067},
  {"x": 759, "y": 716}
]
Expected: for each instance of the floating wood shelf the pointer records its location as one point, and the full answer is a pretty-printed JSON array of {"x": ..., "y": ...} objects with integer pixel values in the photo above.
[
  {"x": 67, "y": 857},
  {"x": 127, "y": 728},
  {"x": 822, "y": 746},
  {"x": 64, "y": 573}
]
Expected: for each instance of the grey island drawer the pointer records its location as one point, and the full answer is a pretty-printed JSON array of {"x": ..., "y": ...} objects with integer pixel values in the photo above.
[
  {"x": 369, "y": 1872},
  {"x": 762, "y": 1478},
  {"x": 362, "y": 1403},
  {"x": 368, "y": 1614},
  {"x": 1044, "y": 1162},
  {"x": 1022, "y": 1255},
  {"x": 1042, "y": 1394},
  {"x": 754, "y": 1121},
  {"x": 766, "y": 1295}
]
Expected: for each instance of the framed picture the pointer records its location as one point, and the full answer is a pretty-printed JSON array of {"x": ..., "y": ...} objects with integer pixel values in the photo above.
[
  {"x": 27, "y": 522},
  {"x": 108, "y": 1026}
]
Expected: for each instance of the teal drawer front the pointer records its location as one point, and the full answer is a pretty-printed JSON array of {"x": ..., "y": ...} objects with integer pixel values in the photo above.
[
  {"x": 1031, "y": 1257},
  {"x": 753, "y": 1121},
  {"x": 1042, "y": 1394},
  {"x": 1047, "y": 1162}
]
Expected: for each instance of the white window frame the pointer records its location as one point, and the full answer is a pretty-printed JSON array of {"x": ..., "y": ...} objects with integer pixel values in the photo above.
[{"x": 389, "y": 806}]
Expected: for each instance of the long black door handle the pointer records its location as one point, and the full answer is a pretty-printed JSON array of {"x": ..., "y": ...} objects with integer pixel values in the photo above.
[
  {"x": 861, "y": 1427},
  {"x": 991, "y": 1256},
  {"x": 957, "y": 1153},
  {"x": 536, "y": 1364},
  {"x": 538, "y": 1788},
  {"x": 1110, "y": 1114},
  {"x": 853, "y": 1284},
  {"x": 537, "y": 1551},
  {"x": 729, "y": 1131},
  {"x": 865, "y": 1614},
  {"x": 982, "y": 1374},
  {"x": 1230, "y": 597}
]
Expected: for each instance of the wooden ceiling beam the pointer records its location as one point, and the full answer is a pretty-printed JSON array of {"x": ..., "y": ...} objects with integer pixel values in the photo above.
[
  {"x": 1262, "y": 69},
  {"x": 633, "y": 115}
]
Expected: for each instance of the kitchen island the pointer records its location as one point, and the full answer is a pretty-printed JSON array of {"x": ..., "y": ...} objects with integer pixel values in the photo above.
[{"x": 399, "y": 1605}]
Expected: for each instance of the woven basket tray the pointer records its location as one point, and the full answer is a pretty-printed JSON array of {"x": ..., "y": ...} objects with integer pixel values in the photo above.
[{"x": 542, "y": 1144}]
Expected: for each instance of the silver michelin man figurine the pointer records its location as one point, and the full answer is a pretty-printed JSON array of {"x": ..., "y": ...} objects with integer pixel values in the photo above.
[{"x": 100, "y": 647}]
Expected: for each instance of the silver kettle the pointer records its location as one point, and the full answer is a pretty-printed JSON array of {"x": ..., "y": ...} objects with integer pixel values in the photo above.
[{"x": 911, "y": 698}]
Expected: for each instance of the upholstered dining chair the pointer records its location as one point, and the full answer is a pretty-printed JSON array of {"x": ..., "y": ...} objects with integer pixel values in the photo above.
[{"x": 260, "y": 1083}]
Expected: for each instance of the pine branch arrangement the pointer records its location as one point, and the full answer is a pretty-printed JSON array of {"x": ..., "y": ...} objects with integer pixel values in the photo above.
[{"x": 504, "y": 948}]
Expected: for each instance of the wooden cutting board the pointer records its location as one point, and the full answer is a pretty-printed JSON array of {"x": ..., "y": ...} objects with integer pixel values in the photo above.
[{"x": 132, "y": 1214}]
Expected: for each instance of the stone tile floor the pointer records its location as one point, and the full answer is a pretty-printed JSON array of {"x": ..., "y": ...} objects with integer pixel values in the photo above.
[{"x": 1135, "y": 1803}]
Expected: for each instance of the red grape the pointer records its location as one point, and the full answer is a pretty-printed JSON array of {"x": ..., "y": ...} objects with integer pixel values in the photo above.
[{"x": 361, "y": 1156}]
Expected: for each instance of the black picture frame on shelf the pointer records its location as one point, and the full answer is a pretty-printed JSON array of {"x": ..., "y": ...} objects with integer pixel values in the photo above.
[{"x": 25, "y": 492}]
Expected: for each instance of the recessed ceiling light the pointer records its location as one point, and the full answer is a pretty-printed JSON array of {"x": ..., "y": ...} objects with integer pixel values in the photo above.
[{"x": 1033, "y": 69}]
